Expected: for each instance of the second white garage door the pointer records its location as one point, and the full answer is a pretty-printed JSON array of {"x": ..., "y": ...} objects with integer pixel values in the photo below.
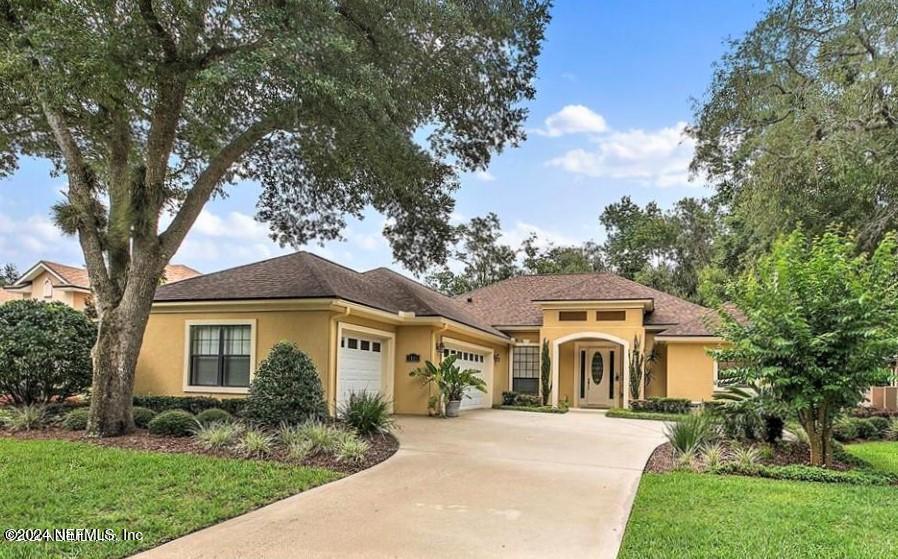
[
  {"x": 361, "y": 365},
  {"x": 479, "y": 361}
]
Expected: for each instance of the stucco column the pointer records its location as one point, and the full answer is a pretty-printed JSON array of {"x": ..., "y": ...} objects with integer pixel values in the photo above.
[{"x": 555, "y": 352}]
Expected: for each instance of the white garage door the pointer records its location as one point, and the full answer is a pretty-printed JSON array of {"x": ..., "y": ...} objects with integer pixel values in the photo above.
[
  {"x": 361, "y": 365},
  {"x": 479, "y": 361}
]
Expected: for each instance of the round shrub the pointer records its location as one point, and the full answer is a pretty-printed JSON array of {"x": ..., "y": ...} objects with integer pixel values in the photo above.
[
  {"x": 876, "y": 427},
  {"x": 142, "y": 416},
  {"x": 76, "y": 420},
  {"x": 44, "y": 351},
  {"x": 214, "y": 415},
  {"x": 173, "y": 423},
  {"x": 286, "y": 388},
  {"x": 867, "y": 429}
]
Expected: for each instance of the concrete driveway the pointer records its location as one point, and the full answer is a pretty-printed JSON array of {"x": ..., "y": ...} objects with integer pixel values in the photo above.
[{"x": 490, "y": 483}]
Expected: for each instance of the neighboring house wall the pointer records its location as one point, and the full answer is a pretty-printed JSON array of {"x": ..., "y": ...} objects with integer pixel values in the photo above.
[
  {"x": 690, "y": 371},
  {"x": 71, "y": 298}
]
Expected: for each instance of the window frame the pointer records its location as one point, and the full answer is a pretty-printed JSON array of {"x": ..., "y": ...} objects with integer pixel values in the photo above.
[
  {"x": 48, "y": 288},
  {"x": 514, "y": 362},
  {"x": 218, "y": 389}
]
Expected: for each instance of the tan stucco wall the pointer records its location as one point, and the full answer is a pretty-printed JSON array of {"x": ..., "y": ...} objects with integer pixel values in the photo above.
[
  {"x": 161, "y": 364},
  {"x": 409, "y": 394},
  {"x": 567, "y": 364},
  {"x": 690, "y": 371}
]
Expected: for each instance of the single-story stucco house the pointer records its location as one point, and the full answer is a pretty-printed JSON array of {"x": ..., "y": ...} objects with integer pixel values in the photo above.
[{"x": 206, "y": 335}]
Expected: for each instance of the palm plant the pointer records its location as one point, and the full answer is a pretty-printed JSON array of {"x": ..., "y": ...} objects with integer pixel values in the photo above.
[
  {"x": 689, "y": 434},
  {"x": 641, "y": 366},
  {"x": 450, "y": 381},
  {"x": 748, "y": 409}
]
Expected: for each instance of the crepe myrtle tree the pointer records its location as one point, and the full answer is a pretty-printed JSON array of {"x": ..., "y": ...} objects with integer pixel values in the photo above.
[
  {"x": 816, "y": 324},
  {"x": 151, "y": 108}
]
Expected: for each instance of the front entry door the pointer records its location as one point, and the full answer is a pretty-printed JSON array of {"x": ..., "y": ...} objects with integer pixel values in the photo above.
[{"x": 599, "y": 377}]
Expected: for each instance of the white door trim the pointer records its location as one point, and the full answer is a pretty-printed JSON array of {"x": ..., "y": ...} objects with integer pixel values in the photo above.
[{"x": 388, "y": 365}]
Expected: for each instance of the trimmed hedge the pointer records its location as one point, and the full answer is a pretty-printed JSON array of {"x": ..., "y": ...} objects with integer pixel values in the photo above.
[
  {"x": 662, "y": 405},
  {"x": 537, "y": 409},
  {"x": 846, "y": 429},
  {"x": 511, "y": 398},
  {"x": 798, "y": 472},
  {"x": 192, "y": 404},
  {"x": 286, "y": 388},
  {"x": 622, "y": 413},
  {"x": 173, "y": 423}
]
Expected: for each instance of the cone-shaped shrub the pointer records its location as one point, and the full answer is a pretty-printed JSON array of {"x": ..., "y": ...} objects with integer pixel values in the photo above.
[{"x": 285, "y": 388}]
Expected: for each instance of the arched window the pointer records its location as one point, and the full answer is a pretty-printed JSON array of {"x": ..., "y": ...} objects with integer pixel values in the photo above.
[
  {"x": 48, "y": 288},
  {"x": 597, "y": 368}
]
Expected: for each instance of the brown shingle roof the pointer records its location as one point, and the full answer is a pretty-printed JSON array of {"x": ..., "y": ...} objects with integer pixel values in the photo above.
[
  {"x": 74, "y": 276},
  {"x": 178, "y": 272},
  {"x": 71, "y": 275},
  {"x": 303, "y": 275},
  {"x": 512, "y": 302}
]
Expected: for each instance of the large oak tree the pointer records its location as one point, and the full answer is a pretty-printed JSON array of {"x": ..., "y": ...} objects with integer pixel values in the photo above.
[{"x": 154, "y": 107}]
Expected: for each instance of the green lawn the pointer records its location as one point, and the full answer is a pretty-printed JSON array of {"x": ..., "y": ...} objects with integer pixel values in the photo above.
[
  {"x": 688, "y": 515},
  {"x": 880, "y": 455},
  {"x": 57, "y": 484}
]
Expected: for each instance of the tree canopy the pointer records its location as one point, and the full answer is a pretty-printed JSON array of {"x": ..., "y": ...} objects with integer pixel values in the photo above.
[
  {"x": 799, "y": 123},
  {"x": 816, "y": 324},
  {"x": 153, "y": 107}
]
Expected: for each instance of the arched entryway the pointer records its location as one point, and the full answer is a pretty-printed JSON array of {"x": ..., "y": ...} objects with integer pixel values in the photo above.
[{"x": 594, "y": 356}]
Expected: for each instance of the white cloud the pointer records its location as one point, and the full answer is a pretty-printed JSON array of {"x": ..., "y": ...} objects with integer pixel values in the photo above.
[
  {"x": 484, "y": 176},
  {"x": 544, "y": 237},
  {"x": 656, "y": 157},
  {"x": 32, "y": 238},
  {"x": 574, "y": 119}
]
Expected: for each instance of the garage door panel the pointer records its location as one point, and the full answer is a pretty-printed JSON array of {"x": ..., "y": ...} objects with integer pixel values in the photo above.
[
  {"x": 479, "y": 361},
  {"x": 361, "y": 365}
]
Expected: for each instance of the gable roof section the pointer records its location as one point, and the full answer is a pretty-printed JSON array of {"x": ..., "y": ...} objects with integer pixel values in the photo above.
[
  {"x": 303, "y": 275},
  {"x": 513, "y": 302},
  {"x": 74, "y": 276}
]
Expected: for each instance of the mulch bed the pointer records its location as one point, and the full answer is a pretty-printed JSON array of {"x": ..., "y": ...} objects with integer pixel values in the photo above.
[
  {"x": 784, "y": 454},
  {"x": 382, "y": 447}
]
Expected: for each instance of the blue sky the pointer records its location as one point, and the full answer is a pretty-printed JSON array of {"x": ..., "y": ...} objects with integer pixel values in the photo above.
[{"x": 613, "y": 92}]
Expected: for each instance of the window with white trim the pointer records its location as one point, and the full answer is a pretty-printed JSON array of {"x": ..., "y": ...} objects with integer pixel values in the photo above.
[
  {"x": 525, "y": 369},
  {"x": 220, "y": 355}
]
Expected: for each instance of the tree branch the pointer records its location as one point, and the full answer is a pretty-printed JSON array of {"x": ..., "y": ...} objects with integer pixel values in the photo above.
[
  {"x": 209, "y": 179},
  {"x": 165, "y": 39}
]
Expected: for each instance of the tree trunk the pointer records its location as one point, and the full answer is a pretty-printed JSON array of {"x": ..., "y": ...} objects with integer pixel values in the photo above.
[
  {"x": 818, "y": 427},
  {"x": 119, "y": 338}
]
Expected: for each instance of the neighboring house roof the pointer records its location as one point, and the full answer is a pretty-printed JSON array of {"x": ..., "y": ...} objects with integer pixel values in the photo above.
[
  {"x": 303, "y": 275},
  {"x": 74, "y": 276},
  {"x": 514, "y": 302}
]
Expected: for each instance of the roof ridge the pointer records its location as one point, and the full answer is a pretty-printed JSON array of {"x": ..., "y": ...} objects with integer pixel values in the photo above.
[
  {"x": 523, "y": 276},
  {"x": 414, "y": 281},
  {"x": 241, "y": 266}
]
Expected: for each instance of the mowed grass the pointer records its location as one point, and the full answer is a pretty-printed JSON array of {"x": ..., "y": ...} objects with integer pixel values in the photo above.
[
  {"x": 688, "y": 515},
  {"x": 57, "y": 484},
  {"x": 881, "y": 456}
]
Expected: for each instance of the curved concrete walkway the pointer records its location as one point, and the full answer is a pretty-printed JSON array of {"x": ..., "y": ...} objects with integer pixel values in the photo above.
[{"x": 490, "y": 483}]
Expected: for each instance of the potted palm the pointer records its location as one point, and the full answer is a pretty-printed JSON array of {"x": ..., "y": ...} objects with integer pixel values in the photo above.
[{"x": 451, "y": 383}]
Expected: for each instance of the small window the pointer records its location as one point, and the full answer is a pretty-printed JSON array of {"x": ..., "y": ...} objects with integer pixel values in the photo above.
[
  {"x": 525, "y": 369},
  {"x": 48, "y": 289},
  {"x": 353, "y": 343},
  {"x": 610, "y": 316},
  {"x": 570, "y": 316},
  {"x": 342, "y": 342},
  {"x": 220, "y": 356},
  {"x": 366, "y": 345},
  {"x": 375, "y": 347}
]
